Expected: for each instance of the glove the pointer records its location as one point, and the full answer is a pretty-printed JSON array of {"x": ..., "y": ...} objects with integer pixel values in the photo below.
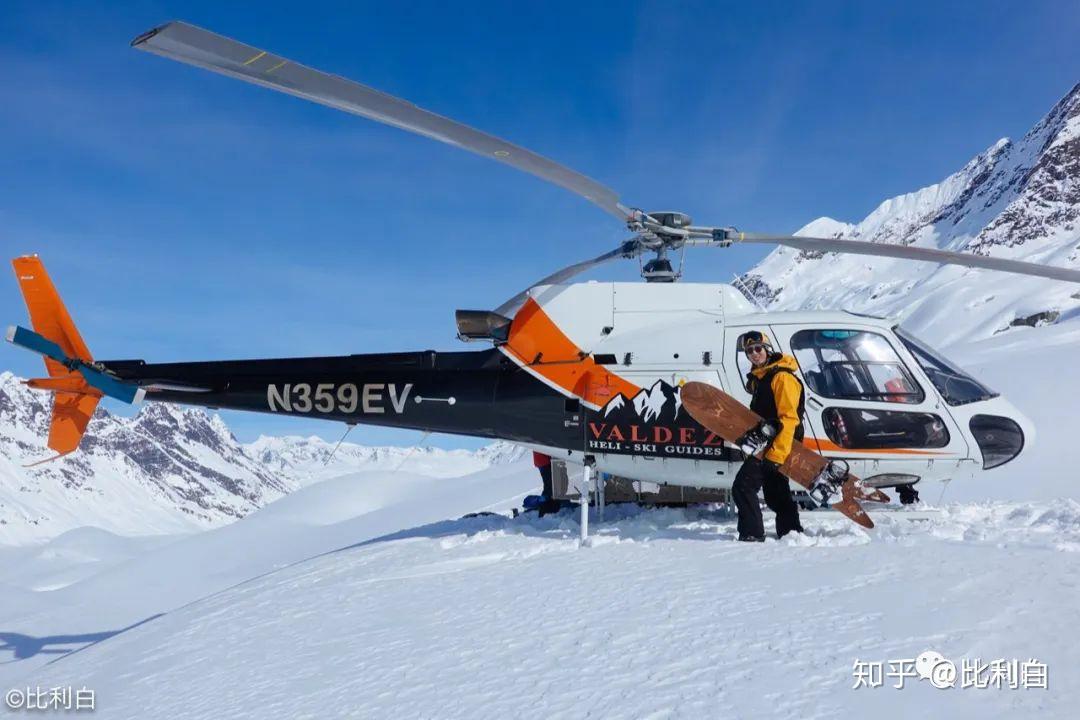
[{"x": 756, "y": 439}]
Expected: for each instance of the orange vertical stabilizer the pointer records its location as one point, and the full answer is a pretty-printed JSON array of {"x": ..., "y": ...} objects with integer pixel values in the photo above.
[
  {"x": 74, "y": 400},
  {"x": 48, "y": 315}
]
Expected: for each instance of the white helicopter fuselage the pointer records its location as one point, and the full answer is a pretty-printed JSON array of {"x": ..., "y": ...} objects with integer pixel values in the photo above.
[{"x": 869, "y": 399}]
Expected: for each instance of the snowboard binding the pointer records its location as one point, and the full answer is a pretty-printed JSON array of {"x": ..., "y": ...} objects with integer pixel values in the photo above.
[
  {"x": 828, "y": 481},
  {"x": 756, "y": 438}
]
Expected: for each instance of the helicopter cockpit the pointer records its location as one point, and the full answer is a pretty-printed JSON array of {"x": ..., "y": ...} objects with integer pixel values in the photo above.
[{"x": 876, "y": 389}]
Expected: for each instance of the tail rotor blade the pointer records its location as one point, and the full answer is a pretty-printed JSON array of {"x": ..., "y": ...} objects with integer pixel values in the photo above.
[
  {"x": 33, "y": 342},
  {"x": 108, "y": 385},
  {"x": 95, "y": 378}
]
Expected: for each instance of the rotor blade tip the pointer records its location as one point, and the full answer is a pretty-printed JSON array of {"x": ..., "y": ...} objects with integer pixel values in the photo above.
[
  {"x": 140, "y": 39},
  {"x": 10, "y": 334}
]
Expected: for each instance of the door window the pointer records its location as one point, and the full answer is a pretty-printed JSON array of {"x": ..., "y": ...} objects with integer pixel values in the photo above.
[
  {"x": 854, "y": 365},
  {"x": 862, "y": 429}
]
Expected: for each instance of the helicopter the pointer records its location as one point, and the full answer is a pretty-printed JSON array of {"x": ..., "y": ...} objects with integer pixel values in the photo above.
[{"x": 585, "y": 372}]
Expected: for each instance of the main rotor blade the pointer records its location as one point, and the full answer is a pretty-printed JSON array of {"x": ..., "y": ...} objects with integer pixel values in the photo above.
[
  {"x": 628, "y": 249},
  {"x": 908, "y": 252},
  {"x": 195, "y": 46}
]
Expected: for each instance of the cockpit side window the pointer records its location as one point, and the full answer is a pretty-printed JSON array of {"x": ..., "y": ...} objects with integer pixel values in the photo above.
[
  {"x": 955, "y": 385},
  {"x": 854, "y": 365}
]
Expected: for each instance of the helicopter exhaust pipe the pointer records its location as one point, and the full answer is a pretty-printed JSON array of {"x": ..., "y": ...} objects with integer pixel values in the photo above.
[{"x": 482, "y": 325}]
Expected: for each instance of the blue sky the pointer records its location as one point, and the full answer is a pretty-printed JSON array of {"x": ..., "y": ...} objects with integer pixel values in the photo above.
[{"x": 188, "y": 216}]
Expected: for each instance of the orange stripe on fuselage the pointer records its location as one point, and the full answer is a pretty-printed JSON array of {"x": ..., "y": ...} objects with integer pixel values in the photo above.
[
  {"x": 544, "y": 350},
  {"x": 829, "y": 446}
]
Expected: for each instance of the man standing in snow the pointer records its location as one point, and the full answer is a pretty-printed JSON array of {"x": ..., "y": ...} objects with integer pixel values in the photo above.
[
  {"x": 548, "y": 503},
  {"x": 777, "y": 398}
]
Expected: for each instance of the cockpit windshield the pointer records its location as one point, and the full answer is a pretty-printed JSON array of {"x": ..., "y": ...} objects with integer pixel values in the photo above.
[{"x": 955, "y": 385}]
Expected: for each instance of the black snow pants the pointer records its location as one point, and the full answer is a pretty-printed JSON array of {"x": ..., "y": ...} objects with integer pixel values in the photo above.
[
  {"x": 545, "y": 477},
  {"x": 757, "y": 475}
]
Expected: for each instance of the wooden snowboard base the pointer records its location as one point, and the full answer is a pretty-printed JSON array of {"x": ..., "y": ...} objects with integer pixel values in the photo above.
[{"x": 730, "y": 419}]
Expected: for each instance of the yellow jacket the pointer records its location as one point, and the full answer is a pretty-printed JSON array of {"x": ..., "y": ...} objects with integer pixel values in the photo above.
[{"x": 786, "y": 391}]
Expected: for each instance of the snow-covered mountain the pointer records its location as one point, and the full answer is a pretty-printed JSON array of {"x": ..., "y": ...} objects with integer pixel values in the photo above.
[
  {"x": 308, "y": 459},
  {"x": 1015, "y": 200},
  {"x": 171, "y": 469},
  {"x": 166, "y": 470}
]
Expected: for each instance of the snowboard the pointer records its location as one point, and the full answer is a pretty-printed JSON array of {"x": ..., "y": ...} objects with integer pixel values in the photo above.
[{"x": 730, "y": 419}]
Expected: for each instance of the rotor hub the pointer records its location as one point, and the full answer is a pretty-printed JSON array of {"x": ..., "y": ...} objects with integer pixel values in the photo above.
[{"x": 671, "y": 219}]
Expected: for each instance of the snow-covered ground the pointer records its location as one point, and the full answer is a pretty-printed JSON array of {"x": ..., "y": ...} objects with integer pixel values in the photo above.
[
  {"x": 663, "y": 616},
  {"x": 88, "y": 582},
  {"x": 312, "y": 459}
]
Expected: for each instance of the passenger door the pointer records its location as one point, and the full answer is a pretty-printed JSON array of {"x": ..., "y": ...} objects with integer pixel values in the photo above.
[{"x": 863, "y": 401}]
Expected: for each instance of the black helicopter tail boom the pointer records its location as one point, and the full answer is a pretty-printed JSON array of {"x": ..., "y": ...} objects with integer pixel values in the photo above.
[
  {"x": 411, "y": 390},
  {"x": 478, "y": 393}
]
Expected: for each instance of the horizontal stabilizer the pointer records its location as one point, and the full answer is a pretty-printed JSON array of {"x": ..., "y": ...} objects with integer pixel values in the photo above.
[{"x": 73, "y": 383}]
